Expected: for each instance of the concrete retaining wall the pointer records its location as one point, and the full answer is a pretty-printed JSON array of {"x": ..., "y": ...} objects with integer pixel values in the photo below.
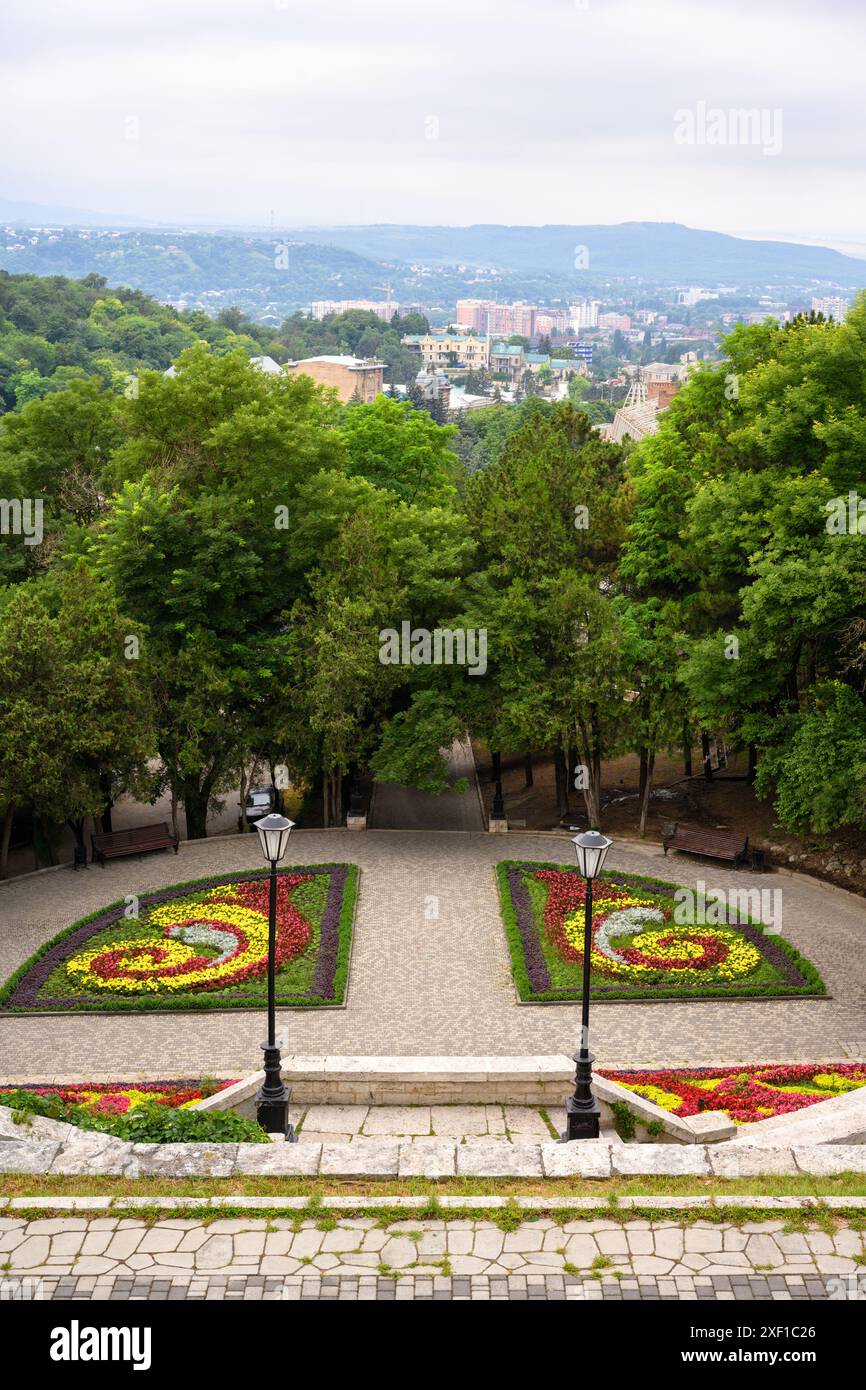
[{"x": 539, "y": 1081}]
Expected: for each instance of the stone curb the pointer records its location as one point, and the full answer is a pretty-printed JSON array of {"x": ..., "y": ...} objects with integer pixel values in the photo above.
[
  {"x": 346, "y": 1202},
  {"x": 53, "y": 1146}
]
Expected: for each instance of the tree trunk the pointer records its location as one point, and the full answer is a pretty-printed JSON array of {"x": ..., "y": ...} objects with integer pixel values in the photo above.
[
  {"x": 105, "y": 788},
  {"x": 705, "y": 755},
  {"x": 175, "y": 829},
  {"x": 77, "y": 828},
  {"x": 562, "y": 807},
  {"x": 527, "y": 769},
  {"x": 687, "y": 750},
  {"x": 195, "y": 799},
  {"x": 592, "y": 795},
  {"x": 647, "y": 792},
  {"x": 643, "y": 775},
  {"x": 6, "y": 837},
  {"x": 326, "y": 792},
  {"x": 753, "y": 763}
]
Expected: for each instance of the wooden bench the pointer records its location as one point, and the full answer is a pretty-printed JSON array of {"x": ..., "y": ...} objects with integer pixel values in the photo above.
[
  {"x": 715, "y": 844},
  {"x": 139, "y": 839}
]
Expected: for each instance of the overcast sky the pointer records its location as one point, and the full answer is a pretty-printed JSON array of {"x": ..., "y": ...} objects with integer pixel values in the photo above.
[{"x": 449, "y": 111}]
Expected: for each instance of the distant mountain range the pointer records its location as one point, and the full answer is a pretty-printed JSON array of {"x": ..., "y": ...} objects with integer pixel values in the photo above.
[
  {"x": 659, "y": 252},
  {"x": 431, "y": 266}
]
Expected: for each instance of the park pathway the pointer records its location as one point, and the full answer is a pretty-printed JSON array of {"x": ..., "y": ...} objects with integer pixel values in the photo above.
[
  {"x": 112, "y": 1257},
  {"x": 405, "y": 808}
]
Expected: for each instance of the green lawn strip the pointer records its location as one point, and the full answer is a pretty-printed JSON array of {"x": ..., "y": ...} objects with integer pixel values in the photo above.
[
  {"x": 292, "y": 980},
  {"x": 609, "y": 1189},
  {"x": 566, "y": 976}
]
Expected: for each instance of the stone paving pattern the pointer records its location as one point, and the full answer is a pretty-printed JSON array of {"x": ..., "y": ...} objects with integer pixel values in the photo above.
[
  {"x": 430, "y": 972},
  {"x": 362, "y": 1258},
  {"x": 329, "y": 1124},
  {"x": 424, "y": 1289}
]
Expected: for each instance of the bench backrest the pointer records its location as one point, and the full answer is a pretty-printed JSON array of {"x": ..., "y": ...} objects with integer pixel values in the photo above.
[
  {"x": 717, "y": 839},
  {"x": 136, "y": 835}
]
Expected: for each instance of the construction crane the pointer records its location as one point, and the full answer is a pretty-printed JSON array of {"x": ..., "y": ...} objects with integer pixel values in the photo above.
[{"x": 389, "y": 290}]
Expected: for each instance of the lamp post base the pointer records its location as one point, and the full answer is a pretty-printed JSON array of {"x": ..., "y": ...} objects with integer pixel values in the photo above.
[
  {"x": 582, "y": 1110},
  {"x": 581, "y": 1121},
  {"x": 272, "y": 1098}
]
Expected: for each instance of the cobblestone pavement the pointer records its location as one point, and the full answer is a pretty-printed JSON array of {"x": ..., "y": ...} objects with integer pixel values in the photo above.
[
  {"x": 579, "y": 1259},
  {"x": 430, "y": 972},
  {"x": 424, "y": 1289}
]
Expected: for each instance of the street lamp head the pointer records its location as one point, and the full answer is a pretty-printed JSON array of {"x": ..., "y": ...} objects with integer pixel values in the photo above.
[
  {"x": 274, "y": 831},
  {"x": 591, "y": 849}
]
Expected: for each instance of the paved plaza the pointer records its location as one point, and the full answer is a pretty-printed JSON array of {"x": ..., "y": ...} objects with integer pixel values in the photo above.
[
  {"x": 362, "y": 1258},
  {"x": 430, "y": 973}
]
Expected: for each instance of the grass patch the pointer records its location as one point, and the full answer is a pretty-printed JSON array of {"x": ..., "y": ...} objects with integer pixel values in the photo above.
[{"x": 611, "y": 1190}]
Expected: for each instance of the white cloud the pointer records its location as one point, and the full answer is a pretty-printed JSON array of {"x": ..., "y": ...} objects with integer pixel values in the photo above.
[{"x": 546, "y": 111}]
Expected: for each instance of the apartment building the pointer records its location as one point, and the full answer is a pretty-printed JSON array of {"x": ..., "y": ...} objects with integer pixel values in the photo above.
[
  {"x": 831, "y": 306},
  {"x": 386, "y": 309},
  {"x": 614, "y": 321},
  {"x": 583, "y": 314},
  {"x": 486, "y": 316}
]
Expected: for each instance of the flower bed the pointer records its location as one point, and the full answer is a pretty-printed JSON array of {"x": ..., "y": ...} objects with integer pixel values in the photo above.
[
  {"x": 200, "y": 945},
  {"x": 744, "y": 1094},
  {"x": 118, "y": 1097},
  {"x": 638, "y": 950},
  {"x": 148, "y": 1112}
]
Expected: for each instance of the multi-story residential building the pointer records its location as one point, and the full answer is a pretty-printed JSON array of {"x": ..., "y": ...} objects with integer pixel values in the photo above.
[
  {"x": 614, "y": 321},
  {"x": 354, "y": 377},
  {"x": 442, "y": 350},
  {"x": 473, "y": 313},
  {"x": 386, "y": 309},
  {"x": 552, "y": 321},
  {"x": 583, "y": 315},
  {"x": 831, "y": 306},
  {"x": 486, "y": 316}
]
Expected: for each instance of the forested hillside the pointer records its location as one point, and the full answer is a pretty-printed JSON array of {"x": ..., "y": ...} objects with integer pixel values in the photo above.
[{"x": 54, "y": 331}]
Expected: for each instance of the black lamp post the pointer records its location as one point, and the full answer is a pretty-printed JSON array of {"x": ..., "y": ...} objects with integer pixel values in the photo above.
[
  {"x": 583, "y": 1115},
  {"x": 272, "y": 1101}
]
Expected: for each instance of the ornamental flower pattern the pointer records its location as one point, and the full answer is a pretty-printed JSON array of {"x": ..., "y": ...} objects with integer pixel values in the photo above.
[
  {"x": 638, "y": 949},
  {"x": 231, "y": 919},
  {"x": 744, "y": 1094},
  {"x": 658, "y": 944},
  {"x": 200, "y": 945}
]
